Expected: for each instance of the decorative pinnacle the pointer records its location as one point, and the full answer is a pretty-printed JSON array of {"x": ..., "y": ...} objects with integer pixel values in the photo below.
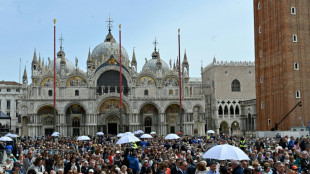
[
  {"x": 109, "y": 21},
  {"x": 179, "y": 30},
  {"x": 54, "y": 21},
  {"x": 120, "y": 26}
]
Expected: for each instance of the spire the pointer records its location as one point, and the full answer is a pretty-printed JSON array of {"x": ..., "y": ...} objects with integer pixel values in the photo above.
[
  {"x": 185, "y": 58},
  {"x": 61, "y": 40},
  {"x": 89, "y": 59},
  {"x": 35, "y": 60},
  {"x": 174, "y": 65},
  {"x": 40, "y": 63},
  {"x": 214, "y": 60},
  {"x": 177, "y": 64},
  {"x": 134, "y": 61},
  {"x": 25, "y": 73}
]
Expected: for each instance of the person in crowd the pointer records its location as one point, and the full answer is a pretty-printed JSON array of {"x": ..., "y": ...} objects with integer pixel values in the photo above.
[
  {"x": 28, "y": 161},
  {"x": 236, "y": 168},
  {"x": 213, "y": 168}
]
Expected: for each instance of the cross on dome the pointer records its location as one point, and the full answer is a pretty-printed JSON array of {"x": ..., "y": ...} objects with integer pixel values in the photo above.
[{"x": 109, "y": 23}]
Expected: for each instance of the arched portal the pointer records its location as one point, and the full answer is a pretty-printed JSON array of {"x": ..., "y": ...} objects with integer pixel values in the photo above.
[
  {"x": 172, "y": 118},
  {"x": 149, "y": 112},
  {"x": 234, "y": 127},
  {"x": 112, "y": 122},
  {"x": 111, "y": 107},
  {"x": 75, "y": 120},
  {"x": 224, "y": 128},
  {"x": 48, "y": 119}
]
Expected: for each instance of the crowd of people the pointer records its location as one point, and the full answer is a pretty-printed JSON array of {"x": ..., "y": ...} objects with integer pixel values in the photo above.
[{"x": 47, "y": 155}]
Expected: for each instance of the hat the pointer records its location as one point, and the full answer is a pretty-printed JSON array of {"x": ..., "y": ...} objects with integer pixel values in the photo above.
[
  {"x": 294, "y": 167},
  {"x": 11, "y": 155},
  {"x": 117, "y": 151},
  {"x": 91, "y": 170},
  {"x": 107, "y": 161},
  {"x": 146, "y": 161}
]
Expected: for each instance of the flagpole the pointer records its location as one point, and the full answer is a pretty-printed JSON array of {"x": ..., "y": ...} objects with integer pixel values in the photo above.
[
  {"x": 180, "y": 85},
  {"x": 54, "y": 75},
  {"x": 120, "y": 79}
]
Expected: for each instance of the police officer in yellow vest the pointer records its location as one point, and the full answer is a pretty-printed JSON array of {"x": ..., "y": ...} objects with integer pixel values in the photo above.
[
  {"x": 242, "y": 144},
  {"x": 134, "y": 145}
]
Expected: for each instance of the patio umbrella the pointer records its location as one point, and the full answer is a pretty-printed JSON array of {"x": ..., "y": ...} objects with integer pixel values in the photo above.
[
  {"x": 55, "y": 134},
  {"x": 83, "y": 138},
  {"x": 210, "y": 132},
  {"x": 146, "y": 136},
  {"x": 127, "y": 139},
  {"x": 153, "y": 133},
  {"x": 172, "y": 137},
  {"x": 5, "y": 139},
  {"x": 100, "y": 133},
  {"x": 225, "y": 152}
]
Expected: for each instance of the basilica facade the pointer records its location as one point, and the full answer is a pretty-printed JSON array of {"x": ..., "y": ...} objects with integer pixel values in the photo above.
[{"x": 89, "y": 102}]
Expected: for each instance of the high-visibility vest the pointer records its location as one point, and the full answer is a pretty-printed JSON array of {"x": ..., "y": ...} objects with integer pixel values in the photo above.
[
  {"x": 242, "y": 143},
  {"x": 134, "y": 145}
]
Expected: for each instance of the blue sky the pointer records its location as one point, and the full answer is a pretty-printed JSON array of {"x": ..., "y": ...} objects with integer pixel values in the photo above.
[{"x": 224, "y": 28}]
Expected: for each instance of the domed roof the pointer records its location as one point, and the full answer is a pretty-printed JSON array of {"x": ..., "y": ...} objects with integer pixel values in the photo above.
[
  {"x": 69, "y": 65},
  {"x": 107, "y": 47},
  {"x": 151, "y": 65}
]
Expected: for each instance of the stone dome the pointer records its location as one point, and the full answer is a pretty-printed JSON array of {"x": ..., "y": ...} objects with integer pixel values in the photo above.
[
  {"x": 107, "y": 47},
  {"x": 151, "y": 65},
  {"x": 69, "y": 65}
]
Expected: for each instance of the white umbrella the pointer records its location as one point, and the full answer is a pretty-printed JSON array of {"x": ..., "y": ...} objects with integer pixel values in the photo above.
[
  {"x": 127, "y": 139},
  {"x": 153, "y": 133},
  {"x": 55, "y": 134},
  {"x": 225, "y": 152},
  {"x": 100, "y": 133},
  {"x": 11, "y": 135},
  {"x": 128, "y": 133},
  {"x": 83, "y": 138},
  {"x": 5, "y": 139},
  {"x": 172, "y": 137},
  {"x": 146, "y": 136},
  {"x": 210, "y": 132},
  {"x": 140, "y": 131},
  {"x": 136, "y": 133},
  {"x": 120, "y": 135}
]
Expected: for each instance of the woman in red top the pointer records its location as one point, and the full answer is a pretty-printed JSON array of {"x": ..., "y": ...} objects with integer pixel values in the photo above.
[{"x": 111, "y": 157}]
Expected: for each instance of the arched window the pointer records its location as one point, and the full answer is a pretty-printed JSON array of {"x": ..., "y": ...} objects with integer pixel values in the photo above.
[
  {"x": 225, "y": 110},
  {"x": 235, "y": 86},
  {"x": 146, "y": 92},
  {"x": 76, "y": 122},
  {"x": 77, "y": 92},
  {"x": 237, "y": 110},
  {"x": 148, "y": 121},
  {"x": 50, "y": 93},
  {"x": 220, "y": 110},
  {"x": 170, "y": 92},
  {"x": 231, "y": 110}
]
